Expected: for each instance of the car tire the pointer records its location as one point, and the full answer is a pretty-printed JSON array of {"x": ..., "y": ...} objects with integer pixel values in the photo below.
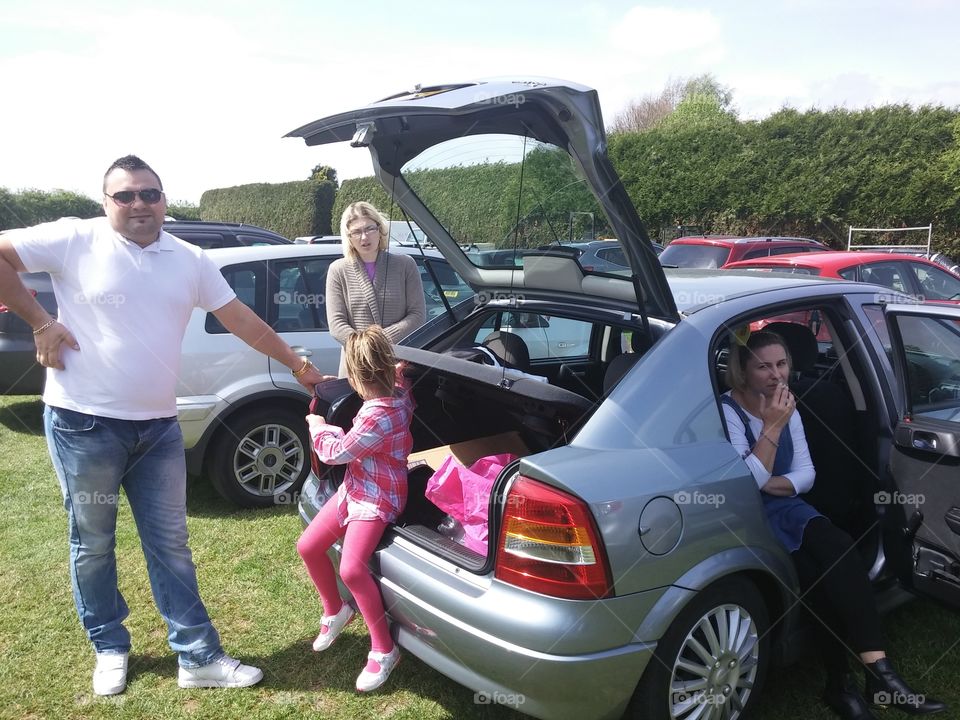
[
  {"x": 261, "y": 457},
  {"x": 728, "y": 624}
]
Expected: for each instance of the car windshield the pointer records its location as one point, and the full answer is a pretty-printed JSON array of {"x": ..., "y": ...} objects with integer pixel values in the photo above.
[
  {"x": 694, "y": 256},
  {"x": 512, "y": 195}
]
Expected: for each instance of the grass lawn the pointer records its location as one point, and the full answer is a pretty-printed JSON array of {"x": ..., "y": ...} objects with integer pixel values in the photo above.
[{"x": 266, "y": 610}]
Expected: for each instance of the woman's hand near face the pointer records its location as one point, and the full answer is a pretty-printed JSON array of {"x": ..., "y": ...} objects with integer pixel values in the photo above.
[{"x": 776, "y": 411}]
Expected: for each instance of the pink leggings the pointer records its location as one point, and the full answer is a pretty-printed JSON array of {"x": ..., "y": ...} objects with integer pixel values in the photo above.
[{"x": 360, "y": 540}]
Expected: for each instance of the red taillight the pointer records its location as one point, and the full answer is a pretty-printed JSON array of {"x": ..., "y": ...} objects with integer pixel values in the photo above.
[{"x": 549, "y": 544}]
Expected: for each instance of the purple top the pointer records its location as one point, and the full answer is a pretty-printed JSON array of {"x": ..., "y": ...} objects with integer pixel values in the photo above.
[{"x": 371, "y": 268}]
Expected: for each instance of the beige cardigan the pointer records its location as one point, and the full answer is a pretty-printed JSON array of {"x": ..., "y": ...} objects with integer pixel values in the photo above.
[{"x": 394, "y": 300}]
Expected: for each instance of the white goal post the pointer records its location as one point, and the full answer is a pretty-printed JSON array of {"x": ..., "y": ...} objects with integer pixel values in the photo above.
[{"x": 925, "y": 248}]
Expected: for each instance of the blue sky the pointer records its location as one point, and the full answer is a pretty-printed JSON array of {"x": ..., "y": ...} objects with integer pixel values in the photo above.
[{"x": 204, "y": 91}]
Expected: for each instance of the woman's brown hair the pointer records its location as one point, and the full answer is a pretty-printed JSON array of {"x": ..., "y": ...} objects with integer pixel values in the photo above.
[{"x": 739, "y": 354}]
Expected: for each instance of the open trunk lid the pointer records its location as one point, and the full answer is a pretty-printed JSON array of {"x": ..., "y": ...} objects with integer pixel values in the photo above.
[{"x": 420, "y": 142}]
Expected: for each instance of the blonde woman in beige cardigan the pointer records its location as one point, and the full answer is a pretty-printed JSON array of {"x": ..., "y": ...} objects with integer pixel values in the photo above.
[{"x": 369, "y": 285}]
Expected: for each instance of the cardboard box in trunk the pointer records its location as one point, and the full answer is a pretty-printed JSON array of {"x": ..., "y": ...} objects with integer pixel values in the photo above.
[{"x": 469, "y": 451}]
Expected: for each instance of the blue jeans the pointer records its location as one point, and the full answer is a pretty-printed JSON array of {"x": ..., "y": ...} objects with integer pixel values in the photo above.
[{"x": 94, "y": 457}]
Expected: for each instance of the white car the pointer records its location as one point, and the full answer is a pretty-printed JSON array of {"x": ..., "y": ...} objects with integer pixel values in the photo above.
[{"x": 241, "y": 412}]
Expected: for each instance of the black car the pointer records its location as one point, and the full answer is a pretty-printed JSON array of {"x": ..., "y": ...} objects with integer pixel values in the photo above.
[
  {"x": 19, "y": 372},
  {"x": 210, "y": 235}
]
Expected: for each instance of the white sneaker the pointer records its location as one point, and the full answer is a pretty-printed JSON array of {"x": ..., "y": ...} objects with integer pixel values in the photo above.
[
  {"x": 225, "y": 672},
  {"x": 334, "y": 625},
  {"x": 110, "y": 674},
  {"x": 368, "y": 681}
]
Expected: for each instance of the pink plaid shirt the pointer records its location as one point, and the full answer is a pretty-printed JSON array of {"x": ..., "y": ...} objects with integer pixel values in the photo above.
[{"x": 375, "y": 452}]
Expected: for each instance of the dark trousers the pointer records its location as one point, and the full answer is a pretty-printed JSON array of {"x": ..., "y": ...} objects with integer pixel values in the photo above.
[{"x": 838, "y": 593}]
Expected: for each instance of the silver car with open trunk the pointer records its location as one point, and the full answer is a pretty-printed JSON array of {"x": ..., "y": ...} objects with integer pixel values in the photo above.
[{"x": 628, "y": 566}]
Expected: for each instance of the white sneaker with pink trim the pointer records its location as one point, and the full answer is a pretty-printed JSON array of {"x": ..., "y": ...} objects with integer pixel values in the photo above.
[
  {"x": 367, "y": 680},
  {"x": 334, "y": 625}
]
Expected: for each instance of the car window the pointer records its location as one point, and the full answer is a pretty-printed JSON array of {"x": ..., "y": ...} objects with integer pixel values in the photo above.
[
  {"x": 932, "y": 350},
  {"x": 887, "y": 274},
  {"x": 694, "y": 256},
  {"x": 786, "y": 250},
  {"x": 553, "y": 203},
  {"x": 452, "y": 286},
  {"x": 936, "y": 284},
  {"x": 878, "y": 324},
  {"x": 256, "y": 240},
  {"x": 298, "y": 295},
  {"x": 206, "y": 240},
  {"x": 613, "y": 255},
  {"x": 762, "y": 252},
  {"x": 546, "y": 336},
  {"x": 249, "y": 282}
]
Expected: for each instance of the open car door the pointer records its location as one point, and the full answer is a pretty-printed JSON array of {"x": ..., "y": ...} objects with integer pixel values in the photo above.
[{"x": 925, "y": 458}]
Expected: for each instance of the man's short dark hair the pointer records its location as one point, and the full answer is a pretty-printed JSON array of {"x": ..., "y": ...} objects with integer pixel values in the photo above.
[{"x": 130, "y": 163}]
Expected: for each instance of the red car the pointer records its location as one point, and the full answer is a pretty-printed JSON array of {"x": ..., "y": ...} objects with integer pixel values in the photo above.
[
  {"x": 913, "y": 275},
  {"x": 715, "y": 251}
]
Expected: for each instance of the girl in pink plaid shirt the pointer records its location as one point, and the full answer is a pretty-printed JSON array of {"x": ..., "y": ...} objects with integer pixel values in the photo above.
[{"x": 372, "y": 495}]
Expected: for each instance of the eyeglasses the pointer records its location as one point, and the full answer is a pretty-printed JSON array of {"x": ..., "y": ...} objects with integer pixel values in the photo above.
[
  {"x": 125, "y": 198},
  {"x": 360, "y": 232}
]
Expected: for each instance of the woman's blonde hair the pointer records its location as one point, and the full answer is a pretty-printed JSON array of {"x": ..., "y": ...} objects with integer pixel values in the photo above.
[
  {"x": 362, "y": 211},
  {"x": 370, "y": 360},
  {"x": 736, "y": 376}
]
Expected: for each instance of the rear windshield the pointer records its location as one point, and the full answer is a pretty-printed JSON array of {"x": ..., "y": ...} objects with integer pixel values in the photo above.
[
  {"x": 694, "y": 256},
  {"x": 512, "y": 195}
]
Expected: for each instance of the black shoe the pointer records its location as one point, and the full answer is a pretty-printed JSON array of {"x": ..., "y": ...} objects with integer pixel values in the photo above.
[
  {"x": 887, "y": 689},
  {"x": 847, "y": 702}
]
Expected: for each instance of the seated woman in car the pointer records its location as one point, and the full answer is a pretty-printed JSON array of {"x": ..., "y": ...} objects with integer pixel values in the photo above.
[{"x": 765, "y": 428}]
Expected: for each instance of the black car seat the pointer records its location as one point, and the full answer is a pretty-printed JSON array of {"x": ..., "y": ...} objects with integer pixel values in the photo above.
[
  {"x": 640, "y": 342},
  {"x": 509, "y": 348},
  {"x": 841, "y": 489}
]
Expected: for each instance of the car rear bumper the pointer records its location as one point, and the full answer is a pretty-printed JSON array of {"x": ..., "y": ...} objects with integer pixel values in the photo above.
[{"x": 544, "y": 656}]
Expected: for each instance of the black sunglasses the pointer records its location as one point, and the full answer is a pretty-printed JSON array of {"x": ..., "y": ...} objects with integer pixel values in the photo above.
[{"x": 151, "y": 196}]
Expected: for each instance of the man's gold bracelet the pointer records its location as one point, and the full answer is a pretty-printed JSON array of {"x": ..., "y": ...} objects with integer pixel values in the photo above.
[{"x": 44, "y": 327}]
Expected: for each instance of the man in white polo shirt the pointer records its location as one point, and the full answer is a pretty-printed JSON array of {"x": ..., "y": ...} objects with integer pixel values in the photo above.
[{"x": 125, "y": 290}]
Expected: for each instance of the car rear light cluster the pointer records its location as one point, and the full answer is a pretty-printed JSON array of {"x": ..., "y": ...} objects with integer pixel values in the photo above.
[{"x": 549, "y": 544}]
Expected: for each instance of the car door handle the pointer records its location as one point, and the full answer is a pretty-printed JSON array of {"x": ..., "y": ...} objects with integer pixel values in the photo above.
[
  {"x": 301, "y": 351},
  {"x": 944, "y": 443}
]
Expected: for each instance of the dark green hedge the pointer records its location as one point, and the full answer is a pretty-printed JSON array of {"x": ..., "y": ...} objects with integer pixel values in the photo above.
[
  {"x": 813, "y": 173},
  {"x": 29, "y": 207},
  {"x": 296, "y": 208}
]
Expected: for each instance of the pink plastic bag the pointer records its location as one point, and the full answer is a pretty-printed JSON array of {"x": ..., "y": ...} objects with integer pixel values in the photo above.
[{"x": 464, "y": 494}]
